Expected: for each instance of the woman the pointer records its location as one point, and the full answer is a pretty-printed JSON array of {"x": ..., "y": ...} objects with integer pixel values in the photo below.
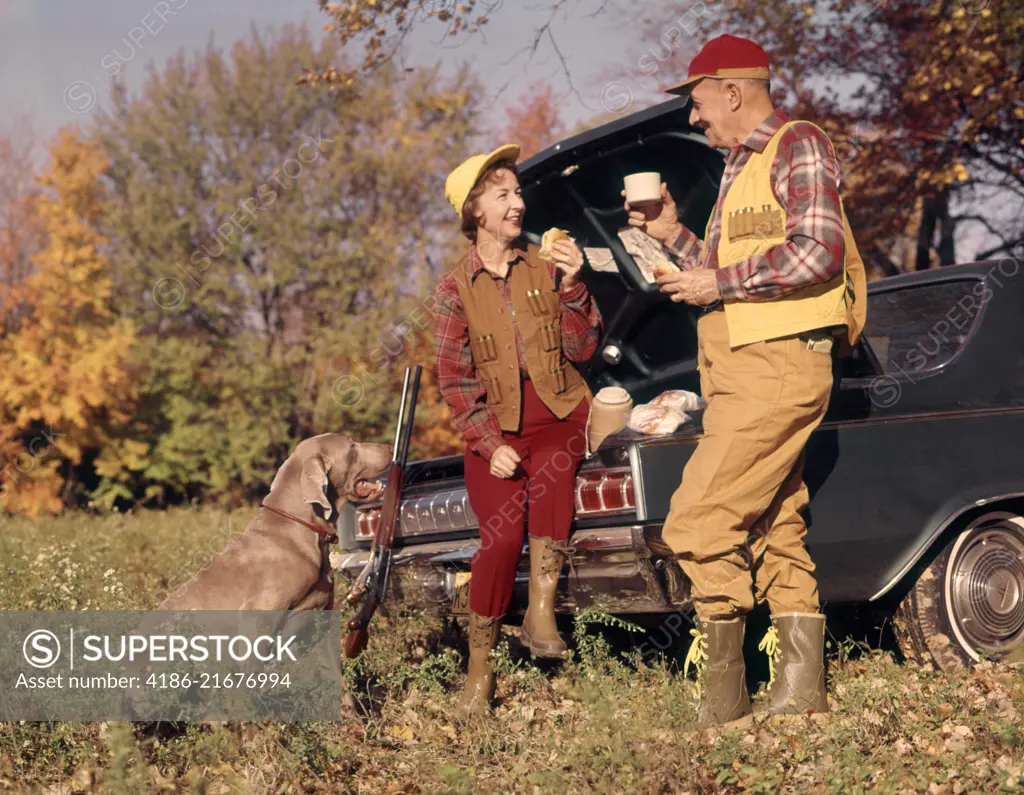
[{"x": 507, "y": 326}]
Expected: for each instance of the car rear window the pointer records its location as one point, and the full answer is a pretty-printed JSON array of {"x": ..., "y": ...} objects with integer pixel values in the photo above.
[{"x": 921, "y": 328}]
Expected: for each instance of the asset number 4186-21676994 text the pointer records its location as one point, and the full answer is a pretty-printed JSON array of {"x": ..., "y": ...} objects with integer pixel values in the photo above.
[{"x": 218, "y": 680}]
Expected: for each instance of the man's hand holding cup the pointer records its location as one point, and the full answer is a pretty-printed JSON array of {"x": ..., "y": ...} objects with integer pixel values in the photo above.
[{"x": 650, "y": 207}]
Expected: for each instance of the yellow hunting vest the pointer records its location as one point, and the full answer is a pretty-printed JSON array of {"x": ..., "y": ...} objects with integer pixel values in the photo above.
[{"x": 753, "y": 221}]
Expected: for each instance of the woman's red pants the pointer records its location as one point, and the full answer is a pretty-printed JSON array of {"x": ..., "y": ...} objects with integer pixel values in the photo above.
[{"x": 540, "y": 493}]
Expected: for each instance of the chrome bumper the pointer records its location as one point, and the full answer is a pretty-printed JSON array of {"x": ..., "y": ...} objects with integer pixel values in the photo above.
[{"x": 625, "y": 569}]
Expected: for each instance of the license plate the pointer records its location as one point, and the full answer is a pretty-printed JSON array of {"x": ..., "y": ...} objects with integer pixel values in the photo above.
[{"x": 460, "y": 598}]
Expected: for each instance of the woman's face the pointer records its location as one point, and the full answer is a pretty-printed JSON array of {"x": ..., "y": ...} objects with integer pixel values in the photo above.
[{"x": 500, "y": 207}]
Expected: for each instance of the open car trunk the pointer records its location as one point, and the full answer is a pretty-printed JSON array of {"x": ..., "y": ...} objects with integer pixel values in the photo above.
[{"x": 649, "y": 343}]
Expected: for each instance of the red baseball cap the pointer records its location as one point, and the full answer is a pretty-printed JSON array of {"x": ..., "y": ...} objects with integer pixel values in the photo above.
[{"x": 725, "y": 56}]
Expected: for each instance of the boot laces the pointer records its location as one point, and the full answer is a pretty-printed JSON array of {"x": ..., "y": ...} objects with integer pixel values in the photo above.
[
  {"x": 696, "y": 656},
  {"x": 569, "y": 553},
  {"x": 770, "y": 645}
]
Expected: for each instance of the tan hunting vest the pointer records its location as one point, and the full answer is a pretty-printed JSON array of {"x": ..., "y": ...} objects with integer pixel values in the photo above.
[
  {"x": 754, "y": 222},
  {"x": 492, "y": 339}
]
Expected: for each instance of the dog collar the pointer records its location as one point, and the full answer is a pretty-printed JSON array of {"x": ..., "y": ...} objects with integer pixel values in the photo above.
[{"x": 330, "y": 538}]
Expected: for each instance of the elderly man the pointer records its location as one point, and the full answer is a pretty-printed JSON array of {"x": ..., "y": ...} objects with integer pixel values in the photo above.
[{"x": 778, "y": 276}]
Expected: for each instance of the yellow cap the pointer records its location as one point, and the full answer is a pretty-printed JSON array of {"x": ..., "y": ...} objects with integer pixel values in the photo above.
[{"x": 461, "y": 181}]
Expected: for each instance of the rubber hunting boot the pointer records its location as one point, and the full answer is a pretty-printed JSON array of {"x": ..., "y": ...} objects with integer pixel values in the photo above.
[
  {"x": 717, "y": 652},
  {"x": 799, "y": 673}
]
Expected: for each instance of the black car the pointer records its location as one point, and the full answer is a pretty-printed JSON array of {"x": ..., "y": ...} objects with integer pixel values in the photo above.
[{"x": 917, "y": 493}]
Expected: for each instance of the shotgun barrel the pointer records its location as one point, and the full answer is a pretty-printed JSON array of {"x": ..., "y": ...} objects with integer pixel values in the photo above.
[{"x": 380, "y": 556}]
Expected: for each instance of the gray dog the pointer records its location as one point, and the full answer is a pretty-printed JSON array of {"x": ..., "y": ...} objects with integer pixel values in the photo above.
[{"x": 280, "y": 561}]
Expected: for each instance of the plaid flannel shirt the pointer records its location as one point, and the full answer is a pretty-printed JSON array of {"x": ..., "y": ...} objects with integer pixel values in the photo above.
[
  {"x": 805, "y": 181},
  {"x": 460, "y": 383}
]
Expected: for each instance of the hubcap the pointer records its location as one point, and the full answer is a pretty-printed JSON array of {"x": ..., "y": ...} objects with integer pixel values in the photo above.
[{"x": 986, "y": 587}]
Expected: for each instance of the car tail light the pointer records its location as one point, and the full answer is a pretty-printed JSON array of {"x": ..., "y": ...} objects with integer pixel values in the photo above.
[
  {"x": 367, "y": 520},
  {"x": 604, "y": 492},
  {"x": 598, "y": 493}
]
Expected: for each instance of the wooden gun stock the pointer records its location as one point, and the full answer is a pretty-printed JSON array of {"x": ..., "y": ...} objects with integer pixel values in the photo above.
[{"x": 358, "y": 627}]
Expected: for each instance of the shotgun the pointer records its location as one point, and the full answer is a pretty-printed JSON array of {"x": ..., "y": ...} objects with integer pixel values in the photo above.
[{"x": 379, "y": 567}]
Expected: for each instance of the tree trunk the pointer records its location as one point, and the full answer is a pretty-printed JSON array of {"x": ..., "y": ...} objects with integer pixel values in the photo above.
[
  {"x": 926, "y": 233},
  {"x": 935, "y": 211},
  {"x": 947, "y": 252}
]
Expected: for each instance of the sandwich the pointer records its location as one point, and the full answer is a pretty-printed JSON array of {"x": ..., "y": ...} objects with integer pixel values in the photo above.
[
  {"x": 550, "y": 237},
  {"x": 663, "y": 267}
]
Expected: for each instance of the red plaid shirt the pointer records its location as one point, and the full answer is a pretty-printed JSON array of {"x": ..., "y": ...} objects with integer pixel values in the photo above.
[
  {"x": 805, "y": 180},
  {"x": 458, "y": 379}
]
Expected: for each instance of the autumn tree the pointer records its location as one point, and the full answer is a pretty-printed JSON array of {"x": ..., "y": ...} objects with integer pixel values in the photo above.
[
  {"x": 269, "y": 238},
  {"x": 64, "y": 363},
  {"x": 21, "y": 227},
  {"x": 378, "y": 28},
  {"x": 534, "y": 120},
  {"x": 922, "y": 99}
]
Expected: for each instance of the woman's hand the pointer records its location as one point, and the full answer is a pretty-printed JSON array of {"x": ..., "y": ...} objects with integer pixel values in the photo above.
[
  {"x": 568, "y": 259},
  {"x": 504, "y": 461}
]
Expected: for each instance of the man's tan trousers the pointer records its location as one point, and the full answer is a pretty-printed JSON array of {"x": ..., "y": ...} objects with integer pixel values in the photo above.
[{"x": 734, "y": 522}]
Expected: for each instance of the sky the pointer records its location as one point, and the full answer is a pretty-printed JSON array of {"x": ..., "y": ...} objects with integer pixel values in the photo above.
[{"x": 56, "y": 55}]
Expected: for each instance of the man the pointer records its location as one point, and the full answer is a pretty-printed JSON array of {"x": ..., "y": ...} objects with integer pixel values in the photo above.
[{"x": 778, "y": 275}]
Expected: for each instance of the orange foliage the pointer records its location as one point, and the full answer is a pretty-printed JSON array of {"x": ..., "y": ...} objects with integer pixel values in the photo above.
[
  {"x": 63, "y": 363},
  {"x": 535, "y": 121},
  {"x": 434, "y": 434}
]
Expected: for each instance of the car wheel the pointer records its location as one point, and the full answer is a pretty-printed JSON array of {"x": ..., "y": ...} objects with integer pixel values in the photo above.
[{"x": 968, "y": 604}]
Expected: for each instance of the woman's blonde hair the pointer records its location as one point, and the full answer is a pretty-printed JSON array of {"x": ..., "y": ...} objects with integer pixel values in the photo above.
[{"x": 470, "y": 221}]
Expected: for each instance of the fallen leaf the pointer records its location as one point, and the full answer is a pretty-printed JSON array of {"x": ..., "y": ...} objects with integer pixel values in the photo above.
[{"x": 157, "y": 779}]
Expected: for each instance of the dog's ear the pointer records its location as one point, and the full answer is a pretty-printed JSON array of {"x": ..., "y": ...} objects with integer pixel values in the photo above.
[{"x": 314, "y": 482}]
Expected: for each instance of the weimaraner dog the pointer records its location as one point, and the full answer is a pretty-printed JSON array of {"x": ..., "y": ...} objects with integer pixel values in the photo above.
[{"x": 280, "y": 562}]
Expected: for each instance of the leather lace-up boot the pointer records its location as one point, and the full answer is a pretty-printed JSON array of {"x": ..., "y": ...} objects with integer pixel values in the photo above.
[
  {"x": 479, "y": 688},
  {"x": 540, "y": 633}
]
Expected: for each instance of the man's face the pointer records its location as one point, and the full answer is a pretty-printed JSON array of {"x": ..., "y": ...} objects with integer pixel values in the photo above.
[{"x": 711, "y": 112}]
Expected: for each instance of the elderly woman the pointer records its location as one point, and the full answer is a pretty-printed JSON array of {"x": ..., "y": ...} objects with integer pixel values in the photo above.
[{"x": 508, "y": 326}]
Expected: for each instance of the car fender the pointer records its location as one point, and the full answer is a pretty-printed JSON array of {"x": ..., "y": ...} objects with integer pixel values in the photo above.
[{"x": 944, "y": 518}]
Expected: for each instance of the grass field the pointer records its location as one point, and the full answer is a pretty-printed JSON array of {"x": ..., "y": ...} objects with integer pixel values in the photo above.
[{"x": 611, "y": 719}]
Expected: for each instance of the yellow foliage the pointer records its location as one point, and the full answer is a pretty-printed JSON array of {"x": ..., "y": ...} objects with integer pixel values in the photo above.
[
  {"x": 63, "y": 366},
  {"x": 376, "y": 25}
]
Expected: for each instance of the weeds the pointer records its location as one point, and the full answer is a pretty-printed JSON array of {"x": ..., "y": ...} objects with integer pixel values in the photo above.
[
  {"x": 609, "y": 719},
  {"x": 592, "y": 648}
]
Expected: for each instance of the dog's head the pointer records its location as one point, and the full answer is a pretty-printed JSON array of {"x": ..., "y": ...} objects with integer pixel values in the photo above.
[{"x": 336, "y": 470}]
